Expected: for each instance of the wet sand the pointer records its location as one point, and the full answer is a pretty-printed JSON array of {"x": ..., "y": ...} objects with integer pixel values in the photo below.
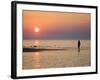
[{"x": 56, "y": 59}]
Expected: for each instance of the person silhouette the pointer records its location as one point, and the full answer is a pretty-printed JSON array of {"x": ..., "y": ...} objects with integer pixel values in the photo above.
[{"x": 79, "y": 44}]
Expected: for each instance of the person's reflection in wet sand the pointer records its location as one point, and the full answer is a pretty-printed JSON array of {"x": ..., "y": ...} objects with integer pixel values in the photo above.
[
  {"x": 78, "y": 49},
  {"x": 79, "y": 44}
]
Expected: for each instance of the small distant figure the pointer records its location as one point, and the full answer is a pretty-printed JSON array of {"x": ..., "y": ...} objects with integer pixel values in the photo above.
[{"x": 79, "y": 44}]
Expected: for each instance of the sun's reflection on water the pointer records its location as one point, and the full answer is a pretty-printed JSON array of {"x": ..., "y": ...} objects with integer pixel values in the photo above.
[
  {"x": 36, "y": 42},
  {"x": 36, "y": 60}
]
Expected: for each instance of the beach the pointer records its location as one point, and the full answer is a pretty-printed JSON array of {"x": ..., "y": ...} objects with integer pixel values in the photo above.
[{"x": 70, "y": 56}]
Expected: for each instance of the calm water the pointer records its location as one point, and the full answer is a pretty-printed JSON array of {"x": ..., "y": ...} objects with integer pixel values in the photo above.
[{"x": 70, "y": 57}]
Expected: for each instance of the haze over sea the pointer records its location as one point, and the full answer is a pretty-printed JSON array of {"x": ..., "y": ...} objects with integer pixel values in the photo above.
[{"x": 70, "y": 57}]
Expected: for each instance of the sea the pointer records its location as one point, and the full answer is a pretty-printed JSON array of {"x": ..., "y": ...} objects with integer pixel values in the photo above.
[{"x": 71, "y": 56}]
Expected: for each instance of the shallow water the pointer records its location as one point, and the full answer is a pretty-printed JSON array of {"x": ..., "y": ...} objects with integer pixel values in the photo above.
[{"x": 71, "y": 57}]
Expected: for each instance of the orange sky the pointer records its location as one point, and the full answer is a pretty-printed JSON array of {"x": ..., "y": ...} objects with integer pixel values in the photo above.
[{"x": 50, "y": 21}]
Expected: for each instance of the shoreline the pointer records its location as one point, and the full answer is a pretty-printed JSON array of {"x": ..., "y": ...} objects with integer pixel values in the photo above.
[{"x": 35, "y": 50}]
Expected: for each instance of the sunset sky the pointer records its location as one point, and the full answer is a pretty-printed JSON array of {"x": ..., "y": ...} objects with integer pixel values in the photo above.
[{"x": 55, "y": 25}]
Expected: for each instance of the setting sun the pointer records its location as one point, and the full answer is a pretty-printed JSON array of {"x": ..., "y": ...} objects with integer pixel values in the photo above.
[{"x": 37, "y": 29}]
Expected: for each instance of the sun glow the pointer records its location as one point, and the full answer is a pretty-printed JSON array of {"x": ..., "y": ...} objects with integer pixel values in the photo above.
[{"x": 37, "y": 29}]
